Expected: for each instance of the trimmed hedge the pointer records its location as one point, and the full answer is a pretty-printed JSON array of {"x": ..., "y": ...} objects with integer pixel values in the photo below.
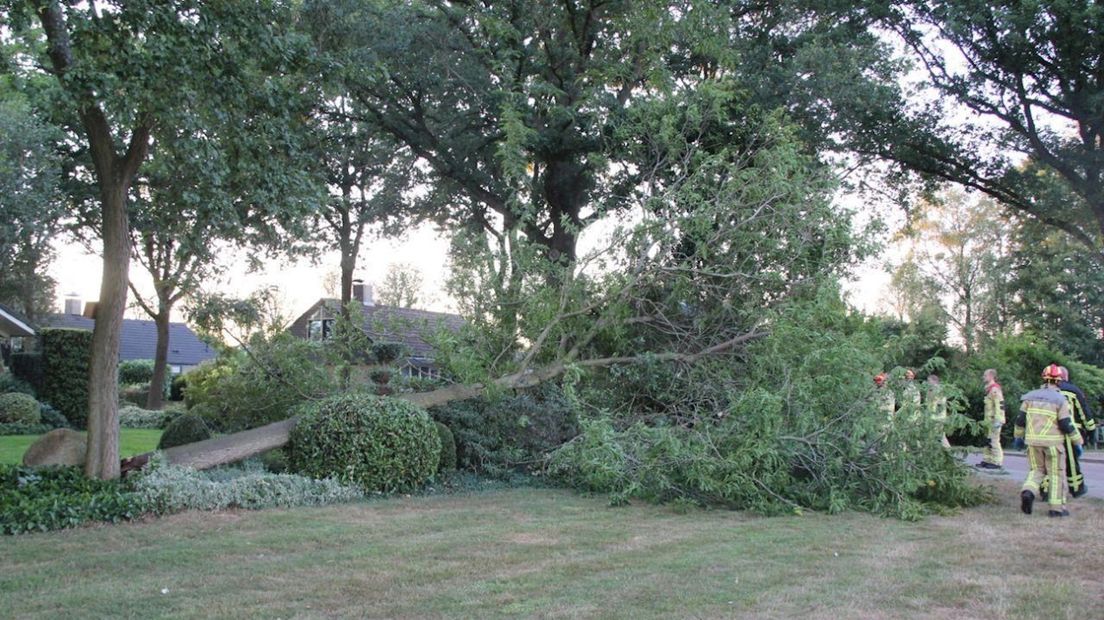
[
  {"x": 134, "y": 394},
  {"x": 24, "y": 429},
  {"x": 186, "y": 429},
  {"x": 132, "y": 416},
  {"x": 19, "y": 408},
  {"x": 380, "y": 444},
  {"x": 135, "y": 371},
  {"x": 67, "y": 356}
]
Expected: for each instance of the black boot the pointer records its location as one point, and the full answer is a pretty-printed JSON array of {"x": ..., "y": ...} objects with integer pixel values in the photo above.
[
  {"x": 1027, "y": 500},
  {"x": 1058, "y": 513}
]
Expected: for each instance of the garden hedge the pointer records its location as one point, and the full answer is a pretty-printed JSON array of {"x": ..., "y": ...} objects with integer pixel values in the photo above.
[{"x": 66, "y": 355}]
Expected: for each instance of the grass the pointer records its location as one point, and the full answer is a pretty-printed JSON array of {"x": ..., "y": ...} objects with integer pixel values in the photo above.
[
  {"x": 551, "y": 553},
  {"x": 131, "y": 441}
]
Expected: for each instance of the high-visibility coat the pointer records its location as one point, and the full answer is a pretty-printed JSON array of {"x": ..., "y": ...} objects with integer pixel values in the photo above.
[
  {"x": 994, "y": 406},
  {"x": 1044, "y": 418}
]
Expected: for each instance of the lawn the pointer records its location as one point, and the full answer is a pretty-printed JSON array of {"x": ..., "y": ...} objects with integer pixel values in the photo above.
[
  {"x": 131, "y": 441},
  {"x": 551, "y": 553}
]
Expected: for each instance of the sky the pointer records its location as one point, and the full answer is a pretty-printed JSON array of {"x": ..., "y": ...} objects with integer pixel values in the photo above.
[{"x": 301, "y": 283}]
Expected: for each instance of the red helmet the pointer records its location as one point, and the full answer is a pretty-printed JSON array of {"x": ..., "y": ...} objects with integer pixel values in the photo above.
[
  {"x": 879, "y": 378},
  {"x": 1052, "y": 373}
]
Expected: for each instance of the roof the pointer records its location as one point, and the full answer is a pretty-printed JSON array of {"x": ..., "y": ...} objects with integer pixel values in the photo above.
[
  {"x": 138, "y": 339},
  {"x": 13, "y": 323},
  {"x": 407, "y": 326}
]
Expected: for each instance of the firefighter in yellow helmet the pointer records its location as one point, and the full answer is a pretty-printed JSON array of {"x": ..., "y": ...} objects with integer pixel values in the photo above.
[
  {"x": 992, "y": 455},
  {"x": 1042, "y": 424},
  {"x": 1084, "y": 423}
]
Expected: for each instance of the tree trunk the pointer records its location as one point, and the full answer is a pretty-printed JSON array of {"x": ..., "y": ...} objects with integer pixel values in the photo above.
[
  {"x": 160, "y": 359},
  {"x": 102, "y": 460}
]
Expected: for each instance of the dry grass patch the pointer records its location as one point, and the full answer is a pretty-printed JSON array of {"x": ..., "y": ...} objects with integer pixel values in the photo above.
[{"x": 547, "y": 553}]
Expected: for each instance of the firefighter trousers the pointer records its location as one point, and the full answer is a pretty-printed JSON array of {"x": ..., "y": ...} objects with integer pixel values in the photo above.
[
  {"x": 1047, "y": 463},
  {"x": 993, "y": 453},
  {"x": 1075, "y": 479}
]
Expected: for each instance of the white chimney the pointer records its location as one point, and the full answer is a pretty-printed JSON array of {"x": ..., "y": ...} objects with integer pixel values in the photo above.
[
  {"x": 363, "y": 292},
  {"x": 73, "y": 304}
]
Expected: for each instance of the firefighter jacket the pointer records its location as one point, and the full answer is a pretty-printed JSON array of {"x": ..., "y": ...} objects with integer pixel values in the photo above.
[
  {"x": 1044, "y": 418},
  {"x": 910, "y": 401},
  {"x": 994, "y": 406},
  {"x": 1079, "y": 407}
]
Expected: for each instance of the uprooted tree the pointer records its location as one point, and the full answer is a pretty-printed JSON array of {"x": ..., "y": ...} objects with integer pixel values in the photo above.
[{"x": 716, "y": 240}]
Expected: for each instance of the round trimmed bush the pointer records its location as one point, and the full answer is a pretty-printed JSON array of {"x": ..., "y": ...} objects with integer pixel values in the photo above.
[
  {"x": 19, "y": 408},
  {"x": 379, "y": 444},
  {"x": 448, "y": 448},
  {"x": 186, "y": 429}
]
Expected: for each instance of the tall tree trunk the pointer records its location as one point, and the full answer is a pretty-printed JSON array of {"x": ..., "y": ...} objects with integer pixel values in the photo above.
[
  {"x": 102, "y": 460},
  {"x": 156, "y": 396}
]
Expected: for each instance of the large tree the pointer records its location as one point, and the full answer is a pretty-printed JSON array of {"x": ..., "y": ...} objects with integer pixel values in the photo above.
[
  {"x": 1012, "y": 105},
  {"x": 123, "y": 70},
  {"x": 31, "y": 207}
]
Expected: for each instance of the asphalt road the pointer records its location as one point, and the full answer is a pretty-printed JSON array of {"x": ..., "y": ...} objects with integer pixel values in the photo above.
[{"x": 1015, "y": 464}]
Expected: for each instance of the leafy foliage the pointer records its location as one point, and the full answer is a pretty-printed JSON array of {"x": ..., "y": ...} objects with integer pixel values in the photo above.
[
  {"x": 803, "y": 432},
  {"x": 66, "y": 355},
  {"x": 135, "y": 371},
  {"x": 243, "y": 390},
  {"x": 379, "y": 444},
  {"x": 10, "y": 383},
  {"x": 28, "y": 368},
  {"x": 19, "y": 408},
  {"x": 136, "y": 417},
  {"x": 167, "y": 489},
  {"x": 447, "y": 460},
  {"x": 52, "y": 417},
  {"x": 502, "y": 434},
  {"x": 40, "y": 499},
  {"x": 19, "y": 428},
  {"x": 185, "y": 429}
]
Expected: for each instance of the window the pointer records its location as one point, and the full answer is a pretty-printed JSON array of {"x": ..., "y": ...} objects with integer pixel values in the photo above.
[{"x": 320, "y": 329}]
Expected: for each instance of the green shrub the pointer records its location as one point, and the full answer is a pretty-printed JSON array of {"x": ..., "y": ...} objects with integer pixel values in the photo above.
[
  {"x": 186, "y": 429},
  {"x": 10, "y": 383},
  {"x": 19, "y": 408},
  {"x": 134, "y": 394},
  {"x": 28, "y": 367},
  {"x": 447, "y": 460},
  {"x": 177, "y": 385},
  {"x": 66, "y": 356},
  {"x": 274, "y": 461},
  {"x": 169, "y": 489},
  {"x": 49, "y": 498},
  {"x": 24, "y": 429},
  {"x": 135, "y": 371},
  {"x": 239, "y": 392},
  {"x": 136, "y": 417},
  {"x": 52, "y": 417},
  {"x": 503, "y": 435},
  {"x": 380, "y": 444}
]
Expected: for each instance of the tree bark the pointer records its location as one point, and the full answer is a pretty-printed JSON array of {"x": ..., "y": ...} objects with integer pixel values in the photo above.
[
  {"x": 102, "y": 460},
  {"x": 156, "y": 396}
]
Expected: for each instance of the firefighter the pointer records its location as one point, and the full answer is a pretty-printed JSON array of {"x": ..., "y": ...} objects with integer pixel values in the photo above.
[
  {"x": 936, "y": 402},
  {"x": 992, "y": 455},
  {"x": 910, "y": 398},
  {"x": 1043, "y": 420},
  {"x": 886, "y": 401},
  {"x": 1084, "y": 423}
]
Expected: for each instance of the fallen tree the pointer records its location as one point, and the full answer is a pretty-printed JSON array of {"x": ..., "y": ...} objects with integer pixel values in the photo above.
[{"x": 238, "y": 446}]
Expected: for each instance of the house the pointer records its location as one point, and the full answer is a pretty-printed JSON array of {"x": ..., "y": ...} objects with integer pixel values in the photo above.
[
  {"x": 407, "y": 326},
  {"x": 138, "y": 338},
  {"x": 14, "y": 327}
]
